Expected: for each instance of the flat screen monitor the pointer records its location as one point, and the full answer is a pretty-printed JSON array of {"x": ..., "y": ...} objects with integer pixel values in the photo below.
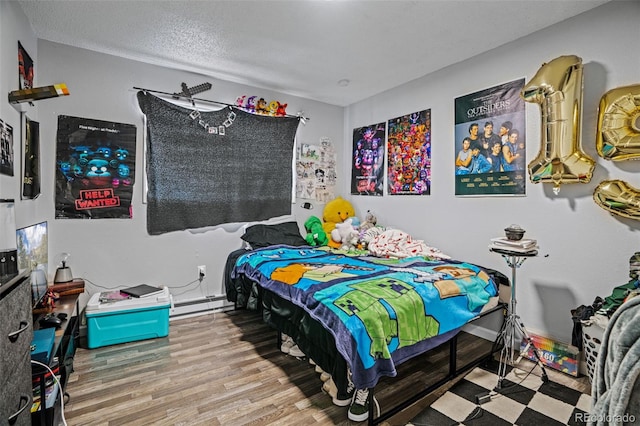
[{"x": 32, "y": 243}]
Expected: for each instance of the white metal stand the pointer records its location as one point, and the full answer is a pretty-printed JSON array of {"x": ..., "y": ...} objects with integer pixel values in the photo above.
[{"x": 513, "y": 326}]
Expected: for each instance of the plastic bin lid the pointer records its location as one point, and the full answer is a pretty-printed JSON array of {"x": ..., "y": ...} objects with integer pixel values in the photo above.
[{"x": 95, "y": 306}]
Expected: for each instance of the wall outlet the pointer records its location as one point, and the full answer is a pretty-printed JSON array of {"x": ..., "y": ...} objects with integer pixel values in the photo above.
[{"x": 202, "y": 271}]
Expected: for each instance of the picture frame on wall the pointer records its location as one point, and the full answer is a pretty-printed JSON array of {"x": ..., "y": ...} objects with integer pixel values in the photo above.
[
  {"x": 6, "y": 149},
  {"x": 31, "y": 159},
  {"x": 25, "y": 69}
]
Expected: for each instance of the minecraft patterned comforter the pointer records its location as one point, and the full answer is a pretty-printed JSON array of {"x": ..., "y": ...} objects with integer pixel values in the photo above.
[{"x": 380, "y": 311}]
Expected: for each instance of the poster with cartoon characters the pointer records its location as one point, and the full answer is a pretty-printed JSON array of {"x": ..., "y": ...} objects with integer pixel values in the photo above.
[
  {"x": 409, "y": 154},
  {"x": 367, "y": 166},
  {"x": 95, "y": 169}
]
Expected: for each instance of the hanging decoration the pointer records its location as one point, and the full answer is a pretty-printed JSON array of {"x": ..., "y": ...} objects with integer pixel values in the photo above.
[
  {"x": 95, "y": 169},
  {"x": 557, "y": 88},
  {"x": 619, "y": 198},
  {"x": 618, "y": 139},
  {"x": 197, "y": 180},
  {"x": 618, "y": 132}
]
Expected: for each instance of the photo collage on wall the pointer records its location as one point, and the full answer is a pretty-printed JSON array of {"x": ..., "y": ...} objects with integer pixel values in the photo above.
[
  {"x": 409, "y": 154},
  {"x": 95, "y": 168},
  {"x": 316, "y": 171},
  {"x": 367, "y": 167},
  {"x": 490, "y": 142}
]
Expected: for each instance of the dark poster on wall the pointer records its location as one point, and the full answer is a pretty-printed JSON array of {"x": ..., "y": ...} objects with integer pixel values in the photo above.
[
  {"x": 367, "y": 168},
  {"x": 95, "y": 169},
  {"x": 6, "y": 149},
  {"x": 31, "y": 171},
  {"x": 25, "y": 69},
  {"x": 490, "y": 142},
  {"x": 409, "y": 154}
]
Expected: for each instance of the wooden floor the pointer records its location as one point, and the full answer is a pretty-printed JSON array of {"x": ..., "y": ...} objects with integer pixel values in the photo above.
[{"x": 225, "y": 369}]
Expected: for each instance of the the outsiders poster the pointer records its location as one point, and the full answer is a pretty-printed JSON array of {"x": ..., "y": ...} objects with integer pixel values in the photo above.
[
  {"x": 490, "y": 142},
  {"x": 95, "y": 168},
  {"x": 368, "y": 160},
  {"x": 409, "y": 154}
]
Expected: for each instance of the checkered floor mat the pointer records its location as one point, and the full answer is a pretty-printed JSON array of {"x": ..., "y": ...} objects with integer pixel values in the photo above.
[{"x": 522, "y": 400}]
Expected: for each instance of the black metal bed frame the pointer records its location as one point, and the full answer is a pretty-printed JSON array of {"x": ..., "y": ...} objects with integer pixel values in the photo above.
[{"x": 453, "y": 372}]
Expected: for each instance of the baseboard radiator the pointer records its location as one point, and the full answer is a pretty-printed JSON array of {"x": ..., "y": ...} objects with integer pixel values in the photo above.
[{"x": 200, "y": 306}]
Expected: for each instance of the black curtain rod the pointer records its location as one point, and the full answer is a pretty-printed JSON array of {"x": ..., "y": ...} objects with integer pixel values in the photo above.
[{"x": 190, "y": 98}]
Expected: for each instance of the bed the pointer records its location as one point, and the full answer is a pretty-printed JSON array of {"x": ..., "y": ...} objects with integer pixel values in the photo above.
[{"x": 358, "y": 313}]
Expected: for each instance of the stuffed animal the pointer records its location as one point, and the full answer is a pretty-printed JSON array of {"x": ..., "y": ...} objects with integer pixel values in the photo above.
[
  {"x": 345, "y": 234},
  {"x": 315, "y": 233},
  {"x": 336, "y": 211},
  {"x": 281, "y": 111},
  {"x": 369, "y": 221},
  {"x": 261, "y": 107},
  {"x": 273, "y": 108}
]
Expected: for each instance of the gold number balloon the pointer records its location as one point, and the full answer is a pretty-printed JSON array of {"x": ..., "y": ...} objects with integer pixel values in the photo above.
[
  {"x": 618, "y": 133},
  {"x": 619, "y": 198},
  {"x": 618, "y": 138},
  {"x": 557, "y": 88}
]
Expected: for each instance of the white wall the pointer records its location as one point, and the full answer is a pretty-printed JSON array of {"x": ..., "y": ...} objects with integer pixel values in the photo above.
[
  {"x": 118, "y": 252},
  {"x": 588, "y": 249}
]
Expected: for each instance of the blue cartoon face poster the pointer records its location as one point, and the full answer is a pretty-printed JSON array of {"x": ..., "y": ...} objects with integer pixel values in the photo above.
[
  {"x": 95, "y": 169},
  {"x": 367, "y": 167}
]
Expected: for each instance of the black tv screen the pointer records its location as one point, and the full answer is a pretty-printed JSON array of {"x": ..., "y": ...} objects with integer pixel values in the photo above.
[{"x": 33, "y": 255}]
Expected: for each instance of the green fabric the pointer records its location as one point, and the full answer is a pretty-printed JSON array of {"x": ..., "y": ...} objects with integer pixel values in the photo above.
[{"x": 617, "y": 296}]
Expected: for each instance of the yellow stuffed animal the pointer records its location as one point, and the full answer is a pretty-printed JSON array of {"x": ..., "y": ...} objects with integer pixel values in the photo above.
[{"x": 336, "y": 211}]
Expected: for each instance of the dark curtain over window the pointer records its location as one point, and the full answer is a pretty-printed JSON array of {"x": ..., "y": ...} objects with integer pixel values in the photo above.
[{"x": 198, "y": 178}]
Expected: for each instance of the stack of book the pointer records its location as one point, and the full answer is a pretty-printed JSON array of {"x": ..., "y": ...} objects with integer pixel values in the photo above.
[{"x": 526, "y": 245}]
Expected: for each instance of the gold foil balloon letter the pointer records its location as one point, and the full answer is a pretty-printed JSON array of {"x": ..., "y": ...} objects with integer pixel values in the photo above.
[
  {"x": 619, "y": 198},
  {"x": 557, "y": 88},
  {"x": 618, "y": 133}
]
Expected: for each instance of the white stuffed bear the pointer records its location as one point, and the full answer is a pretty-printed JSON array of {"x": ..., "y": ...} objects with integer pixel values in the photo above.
[{"x": 345, "y": 234}]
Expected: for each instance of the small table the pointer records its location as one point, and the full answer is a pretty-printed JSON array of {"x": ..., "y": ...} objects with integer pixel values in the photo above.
[{"x": 513, "y": 324}]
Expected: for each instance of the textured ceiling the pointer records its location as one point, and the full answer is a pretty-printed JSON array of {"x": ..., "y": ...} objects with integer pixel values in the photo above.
[{"x": 300, "y": 47}]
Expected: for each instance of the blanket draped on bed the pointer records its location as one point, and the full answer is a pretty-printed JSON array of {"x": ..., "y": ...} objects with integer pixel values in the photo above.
[
  {"x": 199, "y": 179},
  {"x": 380, "y": 311}
]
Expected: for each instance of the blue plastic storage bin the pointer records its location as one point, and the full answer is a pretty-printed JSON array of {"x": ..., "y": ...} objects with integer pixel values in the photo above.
[{"x": 127, "y": 320}]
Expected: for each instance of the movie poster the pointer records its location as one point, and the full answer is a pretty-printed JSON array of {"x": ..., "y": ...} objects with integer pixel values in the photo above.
[
  {"x": 6, "y": 149},
  {"x": 409, "y": 154},
  {"x": 490, "y": 142},
  {"x": 31, "y": 150},
  {"x": 367, "y": 166},
  {"x": 95, "y": 168},
  {"x": 25, "y": 69}
]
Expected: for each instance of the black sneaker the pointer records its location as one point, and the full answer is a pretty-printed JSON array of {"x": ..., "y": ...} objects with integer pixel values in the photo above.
[{"x": 359, "y": 409}]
